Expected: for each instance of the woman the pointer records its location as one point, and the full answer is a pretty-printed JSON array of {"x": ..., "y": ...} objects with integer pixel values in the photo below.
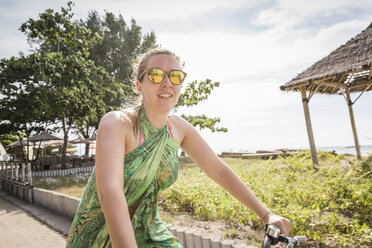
[{"x": 146, "y": 142}]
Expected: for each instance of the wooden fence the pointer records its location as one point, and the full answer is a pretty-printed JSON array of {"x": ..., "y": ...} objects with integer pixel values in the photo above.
[
  {"x": 65, "y": 172},
  {"x": 15, "y": 179}
]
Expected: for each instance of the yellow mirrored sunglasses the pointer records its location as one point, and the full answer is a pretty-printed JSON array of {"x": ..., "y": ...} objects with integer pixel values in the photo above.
[{"x": 156, "y": 75}]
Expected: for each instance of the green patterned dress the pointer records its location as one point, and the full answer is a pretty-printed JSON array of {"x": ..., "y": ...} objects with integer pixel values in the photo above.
[{"x": 149, "y": 169}]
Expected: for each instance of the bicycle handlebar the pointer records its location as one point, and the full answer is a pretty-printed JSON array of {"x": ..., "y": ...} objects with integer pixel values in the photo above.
[{"x": 273, "y": 236}]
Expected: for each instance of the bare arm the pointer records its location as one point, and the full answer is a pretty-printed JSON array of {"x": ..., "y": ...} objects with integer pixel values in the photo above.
[
  {"x": 110, "y": 149},
  {"x": 200, "y": 152}
]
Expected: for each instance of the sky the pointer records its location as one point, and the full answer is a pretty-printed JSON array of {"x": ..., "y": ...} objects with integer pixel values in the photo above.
[{"x": 251, "y": 47}]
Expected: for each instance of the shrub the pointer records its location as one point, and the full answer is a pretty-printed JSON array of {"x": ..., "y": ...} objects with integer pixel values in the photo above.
[{"x": 332, "y": 204}]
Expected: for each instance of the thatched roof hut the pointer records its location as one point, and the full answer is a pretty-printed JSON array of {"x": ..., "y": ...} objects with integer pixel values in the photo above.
[
  {"x": 348, "y": 69},
  {"x": 349, "y": 66}
]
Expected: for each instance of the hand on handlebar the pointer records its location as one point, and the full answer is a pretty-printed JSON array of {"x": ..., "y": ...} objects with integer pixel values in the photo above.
[
  {"x": 273, "y": 236},
  {"x": 282, "y": 223}
]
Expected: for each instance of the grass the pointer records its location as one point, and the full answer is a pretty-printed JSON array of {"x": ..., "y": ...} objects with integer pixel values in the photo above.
[
  {"x": 64, "y": 185},
  {"x": 332, "y": 206},
  {"x": 73, "y": 190}
]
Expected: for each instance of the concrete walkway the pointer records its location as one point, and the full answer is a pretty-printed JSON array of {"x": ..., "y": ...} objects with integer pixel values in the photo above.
[{"x": 28, "y": 225}]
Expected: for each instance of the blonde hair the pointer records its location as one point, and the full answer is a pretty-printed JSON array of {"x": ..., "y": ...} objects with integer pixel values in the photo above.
[{"x": 138, "y": 67}]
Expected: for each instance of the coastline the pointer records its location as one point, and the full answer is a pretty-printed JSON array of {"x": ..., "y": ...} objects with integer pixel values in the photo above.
[{"x": 365, "y": 150}]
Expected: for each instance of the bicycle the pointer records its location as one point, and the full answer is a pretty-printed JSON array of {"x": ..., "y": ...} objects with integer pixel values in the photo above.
[{"x": 273, "y": 236}]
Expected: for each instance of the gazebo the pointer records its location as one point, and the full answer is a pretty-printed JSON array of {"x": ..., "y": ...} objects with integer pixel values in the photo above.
[
  {"x": 348, "y": 69},
  {"x": 42, "y": 137},
  {"x": 87, "y": 142}
]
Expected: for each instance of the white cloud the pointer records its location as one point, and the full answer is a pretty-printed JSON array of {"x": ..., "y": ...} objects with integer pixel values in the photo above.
[
  {"x": 143, "y": 10},
  {"x": 290, "y": 13},
  {"x": 228, "y": 56}
]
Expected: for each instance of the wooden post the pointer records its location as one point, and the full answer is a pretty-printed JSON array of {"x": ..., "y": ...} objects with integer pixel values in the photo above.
[
  {"x": 356, "y": 141},
  {"x": 23, "y": 172},
  {"x": 12, "y": 169},
  {"x": 16, "y": 171},
  {"x": 29, "y": 182},
  {"x": 29, "y": 174},
  {"x": 7, "y": 171},
  {"x": 180, "y": 233},
  {"x": 1, "y": 175},
  {"x": 198, "y": 240},
  {"x": 309, "y": 128},
  {"x": 189, "y": 239}
]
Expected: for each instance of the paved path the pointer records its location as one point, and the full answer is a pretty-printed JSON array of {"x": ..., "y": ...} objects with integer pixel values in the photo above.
[{"x": 18, "y": 229}]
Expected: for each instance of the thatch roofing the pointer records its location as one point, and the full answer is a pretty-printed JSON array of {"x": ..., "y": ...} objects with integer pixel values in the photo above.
[
  {"x": 18, "y": 143},
  {"x": 349, "y": 66},
  {"x": 80, "y": 141},
  {"x": 43, "y": 136}
]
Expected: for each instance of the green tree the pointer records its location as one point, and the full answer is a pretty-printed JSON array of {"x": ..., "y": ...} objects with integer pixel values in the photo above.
[
  {"x": 19, "y": 102},
  {"x": 194, "y": 93},
  {"x": 121, "y": 44},
  {"x": 7, "y": 139},
  {"x": 117, "y": 49},
  {"x": 70, "y": 87},
  {"x": 58, "y": 87}
]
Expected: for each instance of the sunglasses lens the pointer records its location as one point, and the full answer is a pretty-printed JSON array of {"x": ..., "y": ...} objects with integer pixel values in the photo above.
[
  {"x": 176, "y": 77},
  {"x": 156, "y": 75}
]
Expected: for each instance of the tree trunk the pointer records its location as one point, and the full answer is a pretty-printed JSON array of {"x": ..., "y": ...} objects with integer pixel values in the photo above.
[
  {"x": 21, "y": 143},
  {"x": 65, "y": 140},
  {"x": 27, "y": 149},
  {"x": 86, "y": 136},
  {"x": 38, "y": 151},
  {"x": 87, "y": 150}
]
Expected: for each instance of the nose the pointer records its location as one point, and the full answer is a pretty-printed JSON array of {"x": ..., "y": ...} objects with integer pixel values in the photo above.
[{"x": 166, "y": 82}]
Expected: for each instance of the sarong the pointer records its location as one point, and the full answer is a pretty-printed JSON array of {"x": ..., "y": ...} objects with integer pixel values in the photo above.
[{"x": 149, "y": 169}]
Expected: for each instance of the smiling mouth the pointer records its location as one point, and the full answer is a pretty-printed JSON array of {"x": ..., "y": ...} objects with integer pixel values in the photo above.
[{"x": 165, "y": 95}]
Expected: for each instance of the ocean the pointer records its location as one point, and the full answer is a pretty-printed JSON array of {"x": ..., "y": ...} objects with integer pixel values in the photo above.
[{"x": 365, "y": 150}]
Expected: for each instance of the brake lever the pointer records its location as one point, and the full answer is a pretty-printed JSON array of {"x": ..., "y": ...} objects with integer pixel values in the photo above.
[{"x": 291, "y": 242}]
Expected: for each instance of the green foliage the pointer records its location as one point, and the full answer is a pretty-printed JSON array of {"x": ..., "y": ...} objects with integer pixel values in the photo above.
[
  {"x": 366, "y": 166},
  {"x": 19, "y": 103},
  {"x": 6, "y": 139},
  {"x": 204, "y": 122},
  {"x": 194, "y": 93},
  {"x": 77, "y": 73},
  {"x": 57, "y": 84},
  {"x": 56, "y": 32},
  {"x": 333, "y": 204},
  {"x": 121, "y": 44}
]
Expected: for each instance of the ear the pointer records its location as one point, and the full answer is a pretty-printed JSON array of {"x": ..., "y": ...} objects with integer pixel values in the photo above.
[{"x": 139, "y": 86}]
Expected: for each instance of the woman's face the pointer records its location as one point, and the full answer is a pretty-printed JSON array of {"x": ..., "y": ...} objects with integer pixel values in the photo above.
[{"x": 160, "y": 97}]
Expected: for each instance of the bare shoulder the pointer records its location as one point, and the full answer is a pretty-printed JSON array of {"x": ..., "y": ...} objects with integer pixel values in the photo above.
[
  {"x": 117, "y": 121},
  {"x": 182, "y": 128},
  {"x": 179, "y": 122}
]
